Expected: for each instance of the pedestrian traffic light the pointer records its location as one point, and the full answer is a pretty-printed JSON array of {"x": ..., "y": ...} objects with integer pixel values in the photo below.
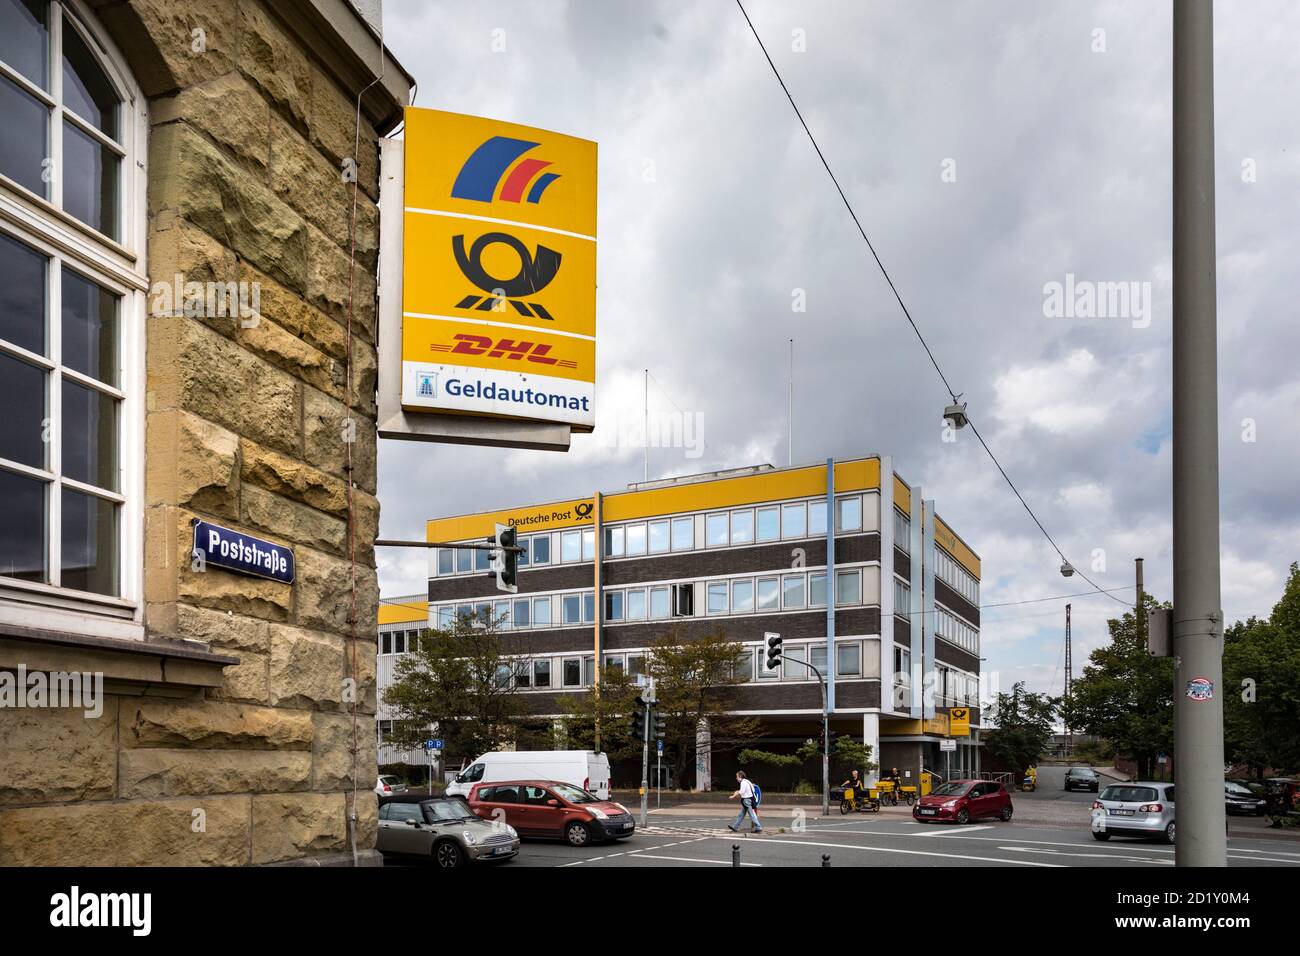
[
  {"x": 637, "y": 724},
  {"x": 505, "y": 560},
  {"x": 773, "y": 651},
  {"x": 660, "y": 726}
]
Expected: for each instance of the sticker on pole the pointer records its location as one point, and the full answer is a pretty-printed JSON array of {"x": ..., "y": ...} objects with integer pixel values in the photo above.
[{"x": 1200, "y": 688}]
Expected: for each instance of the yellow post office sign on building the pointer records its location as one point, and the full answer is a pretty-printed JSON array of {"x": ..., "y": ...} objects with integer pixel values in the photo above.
[
  {"x": 499, "y": 270},
  {"x": 959, "y": 721}
]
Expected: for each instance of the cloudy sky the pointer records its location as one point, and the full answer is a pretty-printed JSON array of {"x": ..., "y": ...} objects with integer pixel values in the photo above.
[{"x": 990, "y": 149}]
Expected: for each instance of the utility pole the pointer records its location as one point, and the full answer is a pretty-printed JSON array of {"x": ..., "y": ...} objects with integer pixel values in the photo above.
[
  {"x": 1141, "y": 610},
  {"x": 1197, "y": 632},
  {"x": 1069, "y": 682}
]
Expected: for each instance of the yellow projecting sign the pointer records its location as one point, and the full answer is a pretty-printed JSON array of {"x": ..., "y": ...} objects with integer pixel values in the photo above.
[
  {"x": 499, "y": 270},
  {"x": 959, "y": 721}
]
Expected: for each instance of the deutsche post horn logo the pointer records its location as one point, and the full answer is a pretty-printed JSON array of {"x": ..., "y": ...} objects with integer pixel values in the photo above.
[
  {"x": 536, "y": 270},
  {"x": 583, "y": 508}
]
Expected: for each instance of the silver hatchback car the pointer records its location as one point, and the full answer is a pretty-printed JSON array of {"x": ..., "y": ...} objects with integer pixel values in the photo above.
[
  {"x": 1141, "y": 808},
  {"x": 443, "y": 829}
]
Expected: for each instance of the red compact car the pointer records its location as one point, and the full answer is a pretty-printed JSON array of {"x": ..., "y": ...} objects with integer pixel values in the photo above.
[
  {"x": 549, "y": 809},
  {"x": 960, "y": 801}
]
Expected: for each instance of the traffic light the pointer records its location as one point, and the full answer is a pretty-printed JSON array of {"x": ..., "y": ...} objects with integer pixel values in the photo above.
[
  {"x": 660, "y": 726},
  {"x": 505, "y": 562},
  {"x": 637, "y": 727},
  {"x": 773, "y": 651}
]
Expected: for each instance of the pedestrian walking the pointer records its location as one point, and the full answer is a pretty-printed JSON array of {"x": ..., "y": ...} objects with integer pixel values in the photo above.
[{"x": 748, "y": 804}]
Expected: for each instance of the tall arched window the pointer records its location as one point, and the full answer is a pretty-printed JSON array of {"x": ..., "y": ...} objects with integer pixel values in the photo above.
[{"x": 72, "y": 295}]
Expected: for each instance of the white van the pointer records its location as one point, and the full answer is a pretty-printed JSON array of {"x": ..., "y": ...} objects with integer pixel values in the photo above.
[{"x": 582, "y": 768}]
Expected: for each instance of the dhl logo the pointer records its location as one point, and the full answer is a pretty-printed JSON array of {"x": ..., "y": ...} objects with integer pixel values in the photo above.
[{"x": 503, "y": 348}]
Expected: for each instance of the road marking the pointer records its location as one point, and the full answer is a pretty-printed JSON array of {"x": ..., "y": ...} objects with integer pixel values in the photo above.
[
  {"x": 687, "y": 859},
  {"x": 947, "y": 833},
  {"x": 1120, "y": 848},
  {"x": 947, "y": 856},
  {"x": 1097, "y": 856}
]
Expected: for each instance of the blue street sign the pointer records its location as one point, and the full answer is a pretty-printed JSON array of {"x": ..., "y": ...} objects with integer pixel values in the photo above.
[
  {"x": 659, "y": 745},
  {"x": 236, "y": 551},
  {"x": 433, "y": 744}
]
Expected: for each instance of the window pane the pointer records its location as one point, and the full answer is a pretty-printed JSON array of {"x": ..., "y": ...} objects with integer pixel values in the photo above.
[
  {"x": 658, "y": 603},
  {"x": 742, "y": 596},
  {"x": 848, "y": 660},
  {"x": 22, "y": 527},
  {"x": 541, "y": 611},
  {"x": 464, "y": 560},
  {"x": 589, "y": 545},
  {"x": 542, "y": 673},
  {"x": 482, "y": 560},
  {"x": 769, "y": 594},
  {"x": 718, "y": 597},
  {"x": 22, "y": 413},
  {"x": 446, "y": 617},
  {"x": 715, "y": 531},
  {"x": 683, "y": 534},
  {"x": 572, "y": 608},
  {"x": 572, "y": 672},
  {"x": 464, "y": 611},
  {"x": 521, "y": 615},
  {"x": 90, "y": 175},
  {"x": 86, "y": 90},
  {"x": 542, "y": 549},
  {"x": 89, "y": 328},
  {"x": 446, "y": 561},
  {"x": 89, "y": 436},
  {"x": 23, "y": 138},
  {"x": 571, "y": 546},
  {"x": 588, "y": 607},
  {"x": 521, "y": 557},
  {"x": 793, "y": 590},
  {"x": 658, "y": 537},
  {"x": 849, "y": 516},
  {"x": 791, "y": 670},
  {"x": 614, "y": 542},
  {"x": 636, "y": 605},
  {"x": 819, "y": 657},
  {"x": 848, "y": 587},
  {"x": 386, "y": 642},
  {"x": 635, "y": 539},
  {"x": 742, "y": 527},
  {"x": 816, "y": 518},
  {"x": 89, "y": 539},
  {"x": 501, "y": 613},
  {"x": 614, "y": 606},
  {"x": 588, "y": 671},
  {"x": 769, "y": 524},
  {"x": 25, "y": 39},
  {"x": 635, "y": 664},
  {"x": 817, "y": 589},
  {"x": 794, "y": 521},
  {"x": 22, "y": 292}
]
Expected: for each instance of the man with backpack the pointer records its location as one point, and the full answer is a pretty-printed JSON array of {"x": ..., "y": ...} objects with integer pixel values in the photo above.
[{"x": 749, "y": 796}]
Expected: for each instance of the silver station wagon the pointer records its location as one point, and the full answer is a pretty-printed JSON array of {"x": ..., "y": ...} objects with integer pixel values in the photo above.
[{"x": 1141, "y": 808}]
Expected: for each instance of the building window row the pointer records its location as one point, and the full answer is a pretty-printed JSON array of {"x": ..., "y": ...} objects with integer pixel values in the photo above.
[
  {"x": 956, "y": 577},
  {"x": 956, "y": 631},
  {"x": 902, "y": 531},
  {"x": 955, "y": 688},
  {"x": 737, "y": 527},
  {"x": 902, "y": 599}
]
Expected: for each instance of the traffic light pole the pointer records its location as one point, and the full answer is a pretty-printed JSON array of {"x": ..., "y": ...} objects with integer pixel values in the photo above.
[
  {"x": 1197, "y": 629},
  {"x": 826, "y": 737},
  {"x": 645, "y": 765}
]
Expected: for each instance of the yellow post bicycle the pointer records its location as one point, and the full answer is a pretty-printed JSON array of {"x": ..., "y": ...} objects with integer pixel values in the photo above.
[{"x": 857, "y": 801}]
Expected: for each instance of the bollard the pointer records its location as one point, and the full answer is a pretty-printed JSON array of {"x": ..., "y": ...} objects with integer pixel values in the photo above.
[
  {"x": 826, "y": 859},
  {"x": 735, "y": 854}
]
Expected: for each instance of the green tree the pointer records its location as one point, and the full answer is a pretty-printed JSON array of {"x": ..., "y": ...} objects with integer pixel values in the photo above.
[
  {"x": 1125, "y": 695},
  {"x": 1023, "y": 728},
  {"x": 696, "y": 680},
  {"x": 1261, "y": 687},
  {"x": 847, "y": 754},
  {"x": 458, "y": 679},
  {"x": 611, "y": 705}
]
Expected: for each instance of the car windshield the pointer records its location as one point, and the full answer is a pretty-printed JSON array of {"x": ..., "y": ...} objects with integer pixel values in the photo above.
[
  {"x": 1124, "y": 794},
  {"x": 1082, "y": 772},
  {"x": 1239, "y": 789},
  {"x": 448, "y": 811},
  {"x": 573, "y": 794},
  {"x": 950, "y": 790}
]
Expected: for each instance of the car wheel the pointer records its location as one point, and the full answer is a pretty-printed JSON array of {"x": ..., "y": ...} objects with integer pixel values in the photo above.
[
  {"x": 1100, "y": 836},
  {"x": 1005, "y": 815},
  {"x": 448, "y": 855},
  {"x": 1169, "y": 833},
  {"x": 963, "y": 816},
  {"x": 577, "y": 834}
]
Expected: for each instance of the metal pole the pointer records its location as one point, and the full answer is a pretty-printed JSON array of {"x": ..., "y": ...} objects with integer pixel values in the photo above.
[
  {"x": 645, "y": 435},
  {"x": 826, "y": 750},
  {"x": 789, "y": 447},
  {"x": 659, "y": 776},
  {"x": 645, "y": 763},
  {"x": 1141, "y": 614},
  {"x": 1198, "y": 615}
]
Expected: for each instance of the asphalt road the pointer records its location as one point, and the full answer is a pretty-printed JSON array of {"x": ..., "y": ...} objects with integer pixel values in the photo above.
[{"x": 697, "y": 838}]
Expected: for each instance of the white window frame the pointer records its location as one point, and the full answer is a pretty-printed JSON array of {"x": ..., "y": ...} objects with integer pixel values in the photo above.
[{"x": 119, "y": 266}]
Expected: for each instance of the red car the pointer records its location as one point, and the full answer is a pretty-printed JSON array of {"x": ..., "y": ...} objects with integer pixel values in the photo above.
[
  {"x": 548, "y": 809},
  {"x": 960, "y": 801}
]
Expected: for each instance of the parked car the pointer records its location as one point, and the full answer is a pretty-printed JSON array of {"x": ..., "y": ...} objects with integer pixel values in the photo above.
[
  {"x": 579, "y": 768},
  {"x": 387, "y": 785},
  {"x": 960, "y": 801},
  {"x": 552, "y": 810},
  {"x": 443, "y": 829},
  {"x": 1239, "y": 798},
  {"x": 1082, "y": 778},
  {"x": 1140, "y": 808}
]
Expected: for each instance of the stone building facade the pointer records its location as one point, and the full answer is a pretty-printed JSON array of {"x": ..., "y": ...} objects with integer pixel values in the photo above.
[{"x": 221, "y": 148}]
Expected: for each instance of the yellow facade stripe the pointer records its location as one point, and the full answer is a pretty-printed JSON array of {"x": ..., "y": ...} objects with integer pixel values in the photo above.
[
  {"x": 946, "y": 538},
  {"x": 410, "y": 612},
  {"x": 726, "y": 492},
  {"x": 902, "y": 496}
]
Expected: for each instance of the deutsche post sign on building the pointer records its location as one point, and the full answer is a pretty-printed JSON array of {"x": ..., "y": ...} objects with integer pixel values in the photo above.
[{"x": 499, "y": 270}]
